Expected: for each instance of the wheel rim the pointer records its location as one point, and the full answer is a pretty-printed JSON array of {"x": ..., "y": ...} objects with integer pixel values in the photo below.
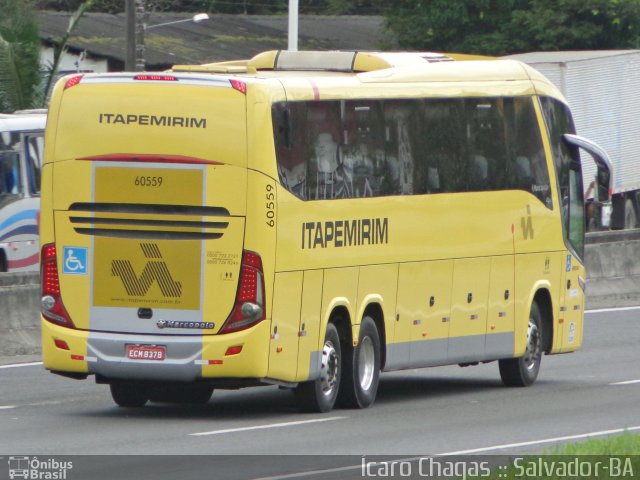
[
  {"x": 329, "y": 369},
  {"x": 366, "y": 363},
  {"x": 532, "y": 354}
]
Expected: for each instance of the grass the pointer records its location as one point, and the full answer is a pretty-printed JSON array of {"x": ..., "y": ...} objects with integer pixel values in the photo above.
[
  {"x": 605, "y": 458},
  {"x": 625, "y": 444}
]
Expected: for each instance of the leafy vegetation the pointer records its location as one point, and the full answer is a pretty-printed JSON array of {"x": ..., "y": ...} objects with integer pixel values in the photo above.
[
  {"x": 20, "y": 77},
  {"x": 24, "y": 82},
  {"x": 497, "y": 27}
]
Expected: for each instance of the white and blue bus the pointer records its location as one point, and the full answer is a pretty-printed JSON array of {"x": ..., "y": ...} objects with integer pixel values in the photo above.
[{"x": 21, "y": 148}]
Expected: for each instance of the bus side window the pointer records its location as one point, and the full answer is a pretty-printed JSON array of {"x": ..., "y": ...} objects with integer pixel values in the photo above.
[
  {"x": 9, "y": 173},
  {"x": 34, "y": 150},
  {"x": 528, "y": 168}
]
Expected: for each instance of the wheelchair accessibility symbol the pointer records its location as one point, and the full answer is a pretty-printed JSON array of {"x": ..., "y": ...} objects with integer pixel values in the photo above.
[{"x": 75, "y": 260}]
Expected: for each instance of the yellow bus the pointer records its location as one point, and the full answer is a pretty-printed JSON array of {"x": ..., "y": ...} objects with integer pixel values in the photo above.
[{"x": 309, "y": 220}]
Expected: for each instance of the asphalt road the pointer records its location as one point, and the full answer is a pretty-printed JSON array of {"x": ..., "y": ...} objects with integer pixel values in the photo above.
[{"x": 446, "y": 410}]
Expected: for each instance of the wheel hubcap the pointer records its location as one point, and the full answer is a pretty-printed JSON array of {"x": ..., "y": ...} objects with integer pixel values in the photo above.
[
  {"x": 532, "y": 353},
  {"x": 366, "y": 363},
  {"x": 329, "y": 368}
]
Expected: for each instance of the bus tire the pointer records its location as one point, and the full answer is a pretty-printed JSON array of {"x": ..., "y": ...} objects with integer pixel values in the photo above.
[
  {"x": 361, "y": 370},
  {"x": 523, "y": 371},
  {"x": 181, "y": 393},
  {"x": 129, "y": 394},
  {"x": 320, "y": 395}
]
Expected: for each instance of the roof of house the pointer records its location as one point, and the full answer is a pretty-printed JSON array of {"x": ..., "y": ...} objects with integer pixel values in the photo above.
[{"x": 221, "y": 38}]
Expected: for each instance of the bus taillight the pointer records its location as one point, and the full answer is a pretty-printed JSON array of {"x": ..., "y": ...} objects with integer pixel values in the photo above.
[
  {"x": 239, "y": 85},
  {"x": 73, "y": 81},
  {"x": 249, "y": 306},
  {"x": 51, "y": 302}
]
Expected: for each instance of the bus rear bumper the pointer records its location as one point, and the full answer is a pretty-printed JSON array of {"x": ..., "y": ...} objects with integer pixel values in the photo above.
[{"x": 186, "y": 358}]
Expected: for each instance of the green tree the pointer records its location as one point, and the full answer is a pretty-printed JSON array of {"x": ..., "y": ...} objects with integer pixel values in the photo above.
[
  {"x": 470, "y": 26},
  {"x": 576, "y": 25},
  {"x": 20, "y": 76},
  {"x": 344, "y": 7},
  {"x": 497, "y": 27},
  {"x": 23, "y": 82}
]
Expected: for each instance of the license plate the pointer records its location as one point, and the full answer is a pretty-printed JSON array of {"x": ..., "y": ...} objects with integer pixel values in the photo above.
[{"x": 146, "y": 352}]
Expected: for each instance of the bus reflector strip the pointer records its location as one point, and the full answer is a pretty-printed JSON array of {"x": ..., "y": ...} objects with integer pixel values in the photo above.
[
  {"x": 234, "y": 350},
  {"x": 149, "y": 158},
  {"x": 61, "y": 344},
  {"x": 208, "y": 362},
  {"x": 83, "y": 358}
]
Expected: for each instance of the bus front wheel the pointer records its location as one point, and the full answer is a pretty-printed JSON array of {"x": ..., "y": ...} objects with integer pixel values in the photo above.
[
  {"x": 523, "y": 371},
  {"x": 320, "y": 395},
  {"x": 361, "y": 370}
]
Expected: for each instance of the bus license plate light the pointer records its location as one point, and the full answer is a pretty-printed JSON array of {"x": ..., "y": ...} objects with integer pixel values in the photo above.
[{"x": 146, "y": 352}]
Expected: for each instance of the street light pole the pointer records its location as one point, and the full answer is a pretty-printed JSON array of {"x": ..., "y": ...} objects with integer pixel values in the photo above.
[
  {"x": 136, "y": 28},
  {"x": 293, "y": 26}
]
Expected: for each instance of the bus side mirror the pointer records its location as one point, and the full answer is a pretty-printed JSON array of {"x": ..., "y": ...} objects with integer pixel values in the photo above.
[{"x": 604, "y": 177}]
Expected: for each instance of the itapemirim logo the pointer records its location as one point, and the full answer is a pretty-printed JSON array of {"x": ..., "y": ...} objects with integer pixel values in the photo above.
[
  {"x": 156, "y": 270},
  {"x": 32, "y": 468}
]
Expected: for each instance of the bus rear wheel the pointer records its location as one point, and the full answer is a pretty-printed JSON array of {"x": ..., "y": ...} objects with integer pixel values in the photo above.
[
  {"x": 320, "y": 395},
  {"x": 361, "y": 372},
  {"x": 181, "y": 393},
  {"x": 129, "y": 394},
  {"x": 523, "y": 371}
]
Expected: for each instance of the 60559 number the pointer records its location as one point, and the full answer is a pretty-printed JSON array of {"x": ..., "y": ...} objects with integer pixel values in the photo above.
[{"x": 147, "y": 181}]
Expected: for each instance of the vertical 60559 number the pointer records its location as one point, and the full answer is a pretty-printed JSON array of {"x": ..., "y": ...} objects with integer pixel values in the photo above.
[{"x": 270, "y": 205}]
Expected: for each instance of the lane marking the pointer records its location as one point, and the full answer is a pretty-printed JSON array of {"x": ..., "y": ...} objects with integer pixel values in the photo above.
[
  {"x": 540, "y": 442},
  {"x": 7, "y": 407},
  {"x": 262, "y": 427},
  {"x": 310, "y": 473},
  {"x": 627, "y": 382},
  {"x": 616, "y": 309},
  {"x": 16, "y": 365}
]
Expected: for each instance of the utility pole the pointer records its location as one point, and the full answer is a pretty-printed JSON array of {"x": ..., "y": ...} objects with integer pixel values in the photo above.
[
  {"x": 130, "y": 35},
  {"x": 140, "y": 21},
  {"x": 135, "y": 18}
]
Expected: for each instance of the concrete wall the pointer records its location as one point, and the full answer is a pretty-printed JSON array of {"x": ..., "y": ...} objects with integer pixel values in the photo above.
[
  {"x": 613, "y": 269},
  {"x": 613, "y": 263},
  {"x": 19, "y": 319}
]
